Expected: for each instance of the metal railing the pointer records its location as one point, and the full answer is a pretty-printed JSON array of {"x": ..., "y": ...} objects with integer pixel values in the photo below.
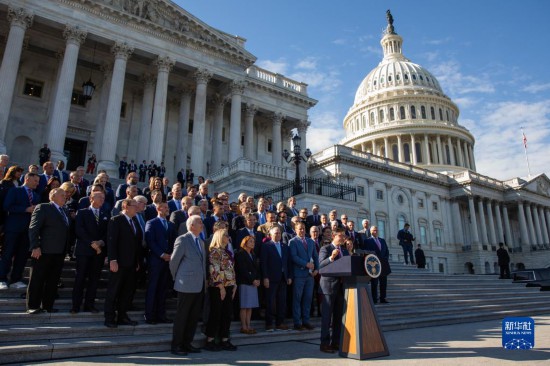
[{"x": 316, "y": 186}]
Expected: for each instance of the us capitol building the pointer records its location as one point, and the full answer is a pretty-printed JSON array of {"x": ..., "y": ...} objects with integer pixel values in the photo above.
[{"x": 144, "y": 79}]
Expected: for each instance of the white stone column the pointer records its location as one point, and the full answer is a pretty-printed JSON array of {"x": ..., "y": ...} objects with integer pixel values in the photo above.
[
  {"x": 492, "y": 234},
  {"x": 530, "y": 226},
  {"x": 277, "y": 144},
  {"x": 482, "y": 222},
  {"x": 146, "y": 116},
  {"x": 202, "y": 76},
  {"x": 112, "y": 119},
  {"x": 459, "y": 153},
  {"x": 387, "y": 148},
  {"x": 20, "y": 20},
  {"x": 457, "y": 222},
  {"x": 473, "y": 221},
  {"x": 507, "y": 229},
  {"x": 451, "y": 150},
  {"x": 472, "y": 159},
  {"x": 500, "y": 230},
  {"x": 427, "y": 153},
  {"x": 183, "y": 129},
  {"x": 536, "y": 220},
  {"x": 219, "y": 104},
  {"x": 440, "y": 149},
  {"x": 543, "y": 226},
  {"x": 413, "y": 150},
  {"x": 250, "y": 112},
  {"x": 59, "y": 118},
  {"x": 547, "y": 214},
  {"x": 400, "y": 149},
  {"x": 373, "y": 143},
  {"x": 525, "y": 239},
  {"x": 237, "y": 89},
  {"x": 164, "y": 65}
]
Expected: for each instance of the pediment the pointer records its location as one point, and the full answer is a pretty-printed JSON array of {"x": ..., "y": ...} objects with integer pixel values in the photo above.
[
  {"x": 176, "y": 22},
  {"x": 539, "y": 184}
]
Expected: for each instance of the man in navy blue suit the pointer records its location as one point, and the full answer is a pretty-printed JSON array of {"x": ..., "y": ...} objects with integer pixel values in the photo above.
[
  {"x": 378, "y": 245},
  {"x": 91, "y": 235},
  {"x": 276, "y": 266},
  {"x": 305, "y": 262},
  {"x": 131, "y": 180},
  {"x": 175, "y": 203},
  {"x": 48, "y": 169},
  {"x": 60, "y": 173},
  {"x": 19, "y": 205},
  {"x": 160, "y": 235},
  {"x": 333, "y": 293}
]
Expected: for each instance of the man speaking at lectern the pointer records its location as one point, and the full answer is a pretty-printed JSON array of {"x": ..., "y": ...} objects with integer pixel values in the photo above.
[{"x": 333, "y": 293}]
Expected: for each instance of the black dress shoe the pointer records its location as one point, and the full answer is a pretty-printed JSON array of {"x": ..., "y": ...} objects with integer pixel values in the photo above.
[
  {"x": 110, "y": 324},
  {"x": 211, "y": 346},
  {"x": 92, "y": 309},
  {"x": 228, "y": 346},
  {"x": 178, "y": 352},
  {"x": 384, "y": 302},
  {"x": 34, "y": 311},
  {"x": 127, "y": 321},
  {"x": 326, "y": 348},
  {"x": 189, "y": 348},
  {"x": 335, "y": 347}
]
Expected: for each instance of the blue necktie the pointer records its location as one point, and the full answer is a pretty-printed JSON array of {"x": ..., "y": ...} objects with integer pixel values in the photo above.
[
  {"x": 165, "y": 224},
  {"x": 198, "y": 244}
]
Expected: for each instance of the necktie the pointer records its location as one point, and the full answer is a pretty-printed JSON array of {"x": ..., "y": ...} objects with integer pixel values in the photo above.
[
  {"x": 378, "y": 243},
  {"x": 132, "y": 224},
  {"x": 165, "y": 224},
  {"x": 198, "y": 244},
  {"x": 178, "y": 204},
  {"x": 304, "y": 242},
  {"x": 278, "y": 246},
  {"x": 29, "y": 193},
  {"x": 96, "y": 214},
  {"x": 62, "y": 212},
  {"x": 339, "y": 252}
]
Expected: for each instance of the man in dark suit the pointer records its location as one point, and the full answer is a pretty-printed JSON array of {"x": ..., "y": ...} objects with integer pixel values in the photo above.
[
  {"x": 249, "y": 230},
  {"x": 142, "y": 171},
  {"x": 276, "y": 266},
  {"x": 179, "y": 217},
  {"x": 406, "y": 242},
  {"x": 18, "y": 205},
  {"x": 84, "y": 183},
  {"x": 91, "y": 235},
  {"x": 180, "y": 177},
  {"x": 305, "y": 262},
  {"x": 48, "y": 235},
  {"x": 174, "y": 204},
  {"x": 333, "y": 293},
  {"x": 160, "y": 235},
  {"x": 314, "y": 219},
  {"x": 217, "y": 214},
  {"x": 60, "y": 173},
  {"x": 354, "y": 235},
  {"x": 503, "y": 261},
  {"x": 124, "y": 237},
  {"x": 365, "y": 231},
  {"x": 188, "y": 269},
  {"x": 131, "y": 180},
  {"x": 122, "y": 168},
  {"x": 378, "y": 245},
  {"x": 48, "y": 169},
  {"x": 132, "y": 167}
]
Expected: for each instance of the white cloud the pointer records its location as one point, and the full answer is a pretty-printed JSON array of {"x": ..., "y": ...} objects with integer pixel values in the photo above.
[
  {"x": 326, "y": 130},
  {"x": 277, "y": 66},
  {"x": 307, "y": 64},
  {"x": 340, "y": 41},
  {"x": 437, "y": 42},
  {"x": 452, "y": 80},
  {"x": 536, "y": 88}
]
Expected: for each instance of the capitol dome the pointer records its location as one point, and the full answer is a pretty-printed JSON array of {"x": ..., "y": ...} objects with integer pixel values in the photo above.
[{"x": 400, "y": 112}]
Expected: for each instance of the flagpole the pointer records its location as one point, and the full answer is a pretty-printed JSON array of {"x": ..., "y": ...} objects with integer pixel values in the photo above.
[{"x": 525, "y": 150}]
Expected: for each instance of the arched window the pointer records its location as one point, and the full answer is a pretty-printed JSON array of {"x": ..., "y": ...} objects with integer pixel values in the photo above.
[
  {"x": 392, "y": 114},
  {"x": 402, "y": 112},
  {"x": 418, "y": 148},
  {"x": 398, "y": 77},
  {"x": 395, "y": 152},
  {"x": 401, "y": 220},
  {"x": 447, "y": 112},
  {"x": 440, "y": 114},
  {"x": 371, "y": 122},
  {"x": 447, "y": 154},
  {"x": 381, "y": 113},
  {"x": 414, "y": 76},
  {"x": 389, "y": 78},
  {"x": 423, "y": 112},
  {"x": 406, "y": 76},
  {"x": 407, "y": 151},
  {"x": 423, "y": 236},
  {"x": 413, "y": 112},
  {"x": 364, "y": 121},
  {"x": 432, "y": 112}
]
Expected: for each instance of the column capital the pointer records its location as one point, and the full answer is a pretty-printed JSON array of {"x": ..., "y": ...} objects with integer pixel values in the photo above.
[
  {"x": 73, "y": 33},
  {"x": 106, "y": 69},
  {"x": 250, "y": 110},
  {"x": 277, "y": 118},
  {"x": 185, "y": 90},
  {"x": 219, "y": 100},
  {"x": 20, "y": 17},
  {"x": 202, "y": 76},
  {"x": 164, "y": 63},
  {"x": 237, "y": 87},
  {"x": 148, "y": 79},
  {"x": 302, "y": 125},
  {"x": 122, "y": 50}
]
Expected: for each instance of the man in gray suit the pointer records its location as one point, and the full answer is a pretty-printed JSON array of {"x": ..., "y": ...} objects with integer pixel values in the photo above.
[
  {"x": 188, "y": 266},
  {"x": 48, "y": 234}
]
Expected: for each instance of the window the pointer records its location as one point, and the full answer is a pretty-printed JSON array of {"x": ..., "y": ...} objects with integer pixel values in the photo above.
[
  {"x": 379, "y": 195},
  {"x": 395, "y": 152},
  {"x": 407, "y": 152},
  {"x": 447, "y": 112},
  {"x": 123, "y": 110},
  {"x": 401, "y": 221},
  {"x": 435, "y": 206},
  {"x": 398, "y": 77},
  {"x": 406, "y": 76},
  {"x": 372, "y": 118},
  {"x": 33, "y": 88},
  {"x": 242, "y": 140},
  {"x": 400, "y": 199},
  {"x": 423, "y": 238},
  {"x": 269, "y": 143},
  {"x": 190, "y": 126},
  {"x": 432, "y": 112},
  {"x": 423, "y": 112},
  {"x": 360, "y": 191},
  {"x": 381, "y": 116},
  {"x": 420, "y": 203},
  {"x": 389, "y": 78},
  {"x": 402, "y": 112},
  {"x": 441, "y": 268},
  {"x": 223, "y": 134},
  {"x": 392, "y": 114},
  {"x": 438, "y": 239},
  {"x": 364, "y": 121},
  {"x": 78, "y": 98},
  {"x": 440, "y": 114},
  {"x": 413, "y": 112},
  {"x": 418, "y": 149},
  {"x": 381, "y": 228},
  {"x": 421, "y": 78}
]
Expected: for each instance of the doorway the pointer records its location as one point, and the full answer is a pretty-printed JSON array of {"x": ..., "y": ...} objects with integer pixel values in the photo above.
[{"x": 75, "y": 151}]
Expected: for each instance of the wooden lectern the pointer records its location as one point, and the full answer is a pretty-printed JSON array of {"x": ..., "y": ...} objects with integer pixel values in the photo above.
[{"x": 361, "y": 336}]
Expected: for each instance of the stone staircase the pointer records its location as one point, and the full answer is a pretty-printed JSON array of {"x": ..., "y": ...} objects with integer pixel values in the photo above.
[{"x": 417, "y": 299}]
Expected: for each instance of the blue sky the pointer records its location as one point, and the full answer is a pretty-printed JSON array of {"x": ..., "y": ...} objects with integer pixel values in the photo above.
[{"x": 491, "y": 57}]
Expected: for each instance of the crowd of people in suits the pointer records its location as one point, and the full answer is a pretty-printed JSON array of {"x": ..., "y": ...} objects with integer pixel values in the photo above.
[{"x": 217, "y": 256}]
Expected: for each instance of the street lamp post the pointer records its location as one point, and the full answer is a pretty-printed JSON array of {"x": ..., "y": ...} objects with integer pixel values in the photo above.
[{"x": 297, "y": 158}]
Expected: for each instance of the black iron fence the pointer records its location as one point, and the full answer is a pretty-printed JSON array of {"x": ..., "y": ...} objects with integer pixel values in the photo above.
[{"x": 320, "y": 187}]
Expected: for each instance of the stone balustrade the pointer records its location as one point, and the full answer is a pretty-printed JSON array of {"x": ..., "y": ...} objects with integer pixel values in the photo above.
[
  {"x": 255, "y": 72},
  {"x": 254, "y": 167}
]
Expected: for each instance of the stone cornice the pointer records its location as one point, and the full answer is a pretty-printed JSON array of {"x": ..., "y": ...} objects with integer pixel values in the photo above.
[
  {"x": 170, "y": 23},
  {"x": 303, "y": 100}
]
